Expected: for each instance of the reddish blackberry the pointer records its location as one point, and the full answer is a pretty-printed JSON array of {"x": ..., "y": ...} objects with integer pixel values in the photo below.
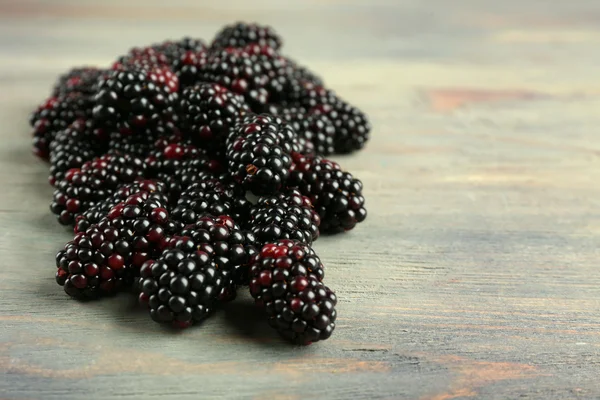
[
  {"x": 155, "y": 189},
  {"x": 208, "y": 111},
  {"x": 286, "y": 278},
  {"x": 108, "y": 256},
  {"x": 82, "y": 80},
  {"x": 242, "y": 34},
  {"x": 287, "y": 215},
  {"x": 258, "y": 153},
  {"x": 54, "y": 115},
  {"x": 352, "y": 129},
  {"x": 72, "y": 147},
  {"x": 174, "y": 50},
  {"x": 188, "y": 67},
  {"x": 336, "y": 195},
  {"x": 315, "y": 128},
  {"x": 97, "y": 179},
  {"x": 135, "y": 99},
  {"x": 214, "y": 197}
]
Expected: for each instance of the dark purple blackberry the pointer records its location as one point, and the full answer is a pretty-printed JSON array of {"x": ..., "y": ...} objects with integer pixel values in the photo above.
[
  {"x": 287, "y": 215},
  {"x": 258, "y": 153},
  {"x": 174, "y": 50},
  {"x": 109, "y": 255},
  {"x": 97, "y": 179},
  {"x": 242, "y": 34},
  {"x": 135, "y": 100},
  {"x": 72, "y": 147},
  {"x": 81, "y": 80},
  {"x": 215, "y": 197},
  {"x": 55, "y": 115},
  {"x": 208, "y": 112},
  {"x": 141, "y": 57},
  {"x": 352, "y": 128},
  {"x": 315, "y": 128},
  {"x": 286, "y": 279},
  {"x": 155, "y": 189},
  {"x": 336, "y": 195},
  {"x": 188, "y": 67},
  {"x": 143, "y": 144}
]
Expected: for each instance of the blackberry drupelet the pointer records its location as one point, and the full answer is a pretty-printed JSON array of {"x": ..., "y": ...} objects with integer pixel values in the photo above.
[
  {"x": 208, "y": 112},
  {"x": 108, "y": 255},
  {"x": 97, "y": 179},
  {"x": 286, "y": 215},
  {"x": 315, "y": 128},
  {"x": 212, "y": 196},
  {"x": 258, "y": 153},
  {"x": 336, "y": 195},
  {"x": 81, "y": 80},
  {"x": 286, "y": 278},
  {"x": 242, "y": 34},
  {"x": 352, "y": 128}
]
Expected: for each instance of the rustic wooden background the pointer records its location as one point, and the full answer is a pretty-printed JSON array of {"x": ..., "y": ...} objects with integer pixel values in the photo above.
[{"x": 476, "y": 274}]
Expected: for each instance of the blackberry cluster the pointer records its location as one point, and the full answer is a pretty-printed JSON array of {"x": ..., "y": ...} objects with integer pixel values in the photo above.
[{"x": 187, "y": 171}]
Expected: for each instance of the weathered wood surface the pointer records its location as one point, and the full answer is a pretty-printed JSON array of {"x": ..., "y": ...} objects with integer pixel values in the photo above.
[{"x": 476, "y": 273}]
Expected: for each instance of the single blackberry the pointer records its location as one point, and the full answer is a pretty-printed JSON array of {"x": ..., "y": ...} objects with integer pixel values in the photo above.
[
  {"x": 141, "y": 57},
  {"x": 242, "y": 34},
  {"x": 287, "y": 215},
  {"x": 258, "y": 153},
  {"x": 215, "y": 197},
  {"x": 81, "y": 80},
  {"x": 108, "y": 256},
  {"x": 352, "y": 128},
  {"x": 208, "y": 112},
  {"x": 72, "y": 147},
  {"x": 286, "y": 279},
  {"x": 97, "y": 179},
  {"x": 315, "y": 128},
  {"x": 135, "y": 99},
  {"x": 188, "y": 67},
  {"x": 144, "y": 144},
  {"x": 174, "y": 50},
  {"x": 54, "y": 115},
  {"x": 155, "y": 189},
  {"x": 336, "y": 195}
]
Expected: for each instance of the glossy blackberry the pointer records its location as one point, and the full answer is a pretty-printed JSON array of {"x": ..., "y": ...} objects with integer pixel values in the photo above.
[
  {"x": 352, "y": 128},
  {"x": 208, "y": 112},
  {"x": 215, "y": 197},
  {"x": 54, "y": 115},
  {"x": 143, "y": 144},
  {"x": 81, "y": 80},
  {"x": 141, "y": 57},
  {"x": 316, "y": 128},
  {"x": 71, "y": 148},
  {"x": 174, "y": 50},
  {"x": 336, "y": 195},
  {"x": 286, "y": 279},
  {"x": 258, "y": 153},
  {"x": 242, "y": 34},
  {"x": 188, "y": 67},
  {"x": 97, "y": 179},
  {"x": 155, "y": 189},
  {"x": 135, "y": 99},
  {"x": 287, "y": 215},
  {"x": 109, "y": 255}
]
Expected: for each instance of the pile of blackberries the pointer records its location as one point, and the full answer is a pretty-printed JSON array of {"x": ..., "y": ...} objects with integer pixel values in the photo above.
[{"x": 189, "y": 170}]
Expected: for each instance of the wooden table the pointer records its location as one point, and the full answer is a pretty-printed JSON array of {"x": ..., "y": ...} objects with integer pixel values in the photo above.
[{"x": 475, "y": 275}]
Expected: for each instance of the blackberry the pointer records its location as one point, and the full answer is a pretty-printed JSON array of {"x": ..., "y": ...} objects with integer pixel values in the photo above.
[
  {"x": 242, "y": 34},
  {"x": 336, "y": 195},
  {"x": 258, "y": 153},
  {"x": 81, "y": 80},
  {"x": 306, "y": 147},
  {"x": 54, "y": 115},
  {"x": 287, "y": 215},
  {"x": 212, "y": 196},
  {"x": 188, "y": 67},
  {"x": 286, "y": 279},
  {"x": 318, "y": 129},
  {"x": 155, "y": 189},
  {"x": 143, "y": 144},
  {"x": 72, "y": 147},
  {"x": 352, "y": 128},
  {"x": 208, "y": 112},
  {"x": 109, "y": 255},
  {"x": 135, "y": 99},
  {"x": 174, "y": 50},
  {"x": 141, "y": 57},
  {"x": 97, "y": 179}
]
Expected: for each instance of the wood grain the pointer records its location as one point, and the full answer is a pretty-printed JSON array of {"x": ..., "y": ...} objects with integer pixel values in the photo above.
[{"x": 475, "y": 275}]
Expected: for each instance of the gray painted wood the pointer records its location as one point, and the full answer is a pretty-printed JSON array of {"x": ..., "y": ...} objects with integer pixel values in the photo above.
[{"x": 475, "y": 275}]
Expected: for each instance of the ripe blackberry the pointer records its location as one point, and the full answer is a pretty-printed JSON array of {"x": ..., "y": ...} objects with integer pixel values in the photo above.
[
  {"x": 286, "y": 278},
  {"x": 188, "y": 66},
  {"x": 54, "y": 115},
  {"x": 242, "y": 34},
  {"x": 142, "y": 144},
  {"x": 81, "y": 80},
  {"x": 258, "y": 153},
  {"x": 97, "y": 179},
  {"x": 141, "y": 57},
  {"x": 72, "y": 147},
  {"x": 212, "y": 196},
  {"x": 174, "y": 50},
  {"x": 315, "y": 128},
  {"x": 352, "y": 128},
  {"x": 336, "y": 195},
  {"x": 287, "y": 215},
  {"x": 155, "y": 189},
  {"x": 208, "y": 111},
  {"x": 109, "y": 255},
  {"x": 135, "y": 99}
]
